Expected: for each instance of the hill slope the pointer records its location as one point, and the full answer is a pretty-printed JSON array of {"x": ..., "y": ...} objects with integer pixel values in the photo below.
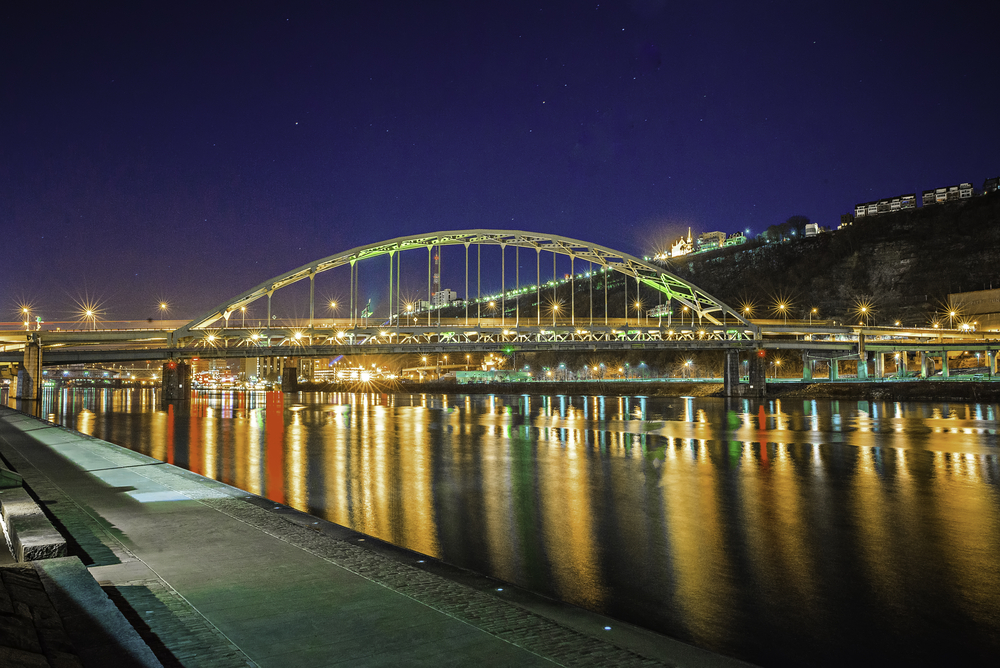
[{"x": 904, "y": 264}]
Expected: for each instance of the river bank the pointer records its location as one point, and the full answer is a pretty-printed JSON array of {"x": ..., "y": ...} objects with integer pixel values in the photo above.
[{"x": 882, "y": 390}]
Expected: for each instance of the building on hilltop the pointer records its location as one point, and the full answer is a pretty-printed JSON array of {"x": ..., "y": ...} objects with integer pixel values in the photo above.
[
  {"x": 682, "y": 246},
  {"x": 735, "y": 239},
  {"x": 947, "y": 194},
  {"x": 710, "y": 241},
  {"x": 705, "y": 242},
  {"x": 990, "y": 185},
  {"x": 887, "y": 205}
]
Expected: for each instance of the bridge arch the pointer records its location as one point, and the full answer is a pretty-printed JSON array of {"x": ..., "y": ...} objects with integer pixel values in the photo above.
[{"x": 702, "y": 304}]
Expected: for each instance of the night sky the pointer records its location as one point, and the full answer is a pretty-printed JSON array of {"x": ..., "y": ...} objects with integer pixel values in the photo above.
[{"x": 188, "y": 151}]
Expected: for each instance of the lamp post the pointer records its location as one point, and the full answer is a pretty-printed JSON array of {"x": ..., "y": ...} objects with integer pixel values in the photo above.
[
  {"x": 784, "y": 312},
  {"x": 243, "y": 316},
  {"x": 812, "y": 312},
  {"x": 27, "y": 318},
  {"x": 555, "y": 309}
]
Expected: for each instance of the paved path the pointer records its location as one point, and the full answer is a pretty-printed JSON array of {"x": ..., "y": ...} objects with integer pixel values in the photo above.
[{"x": 210, "y": 578}]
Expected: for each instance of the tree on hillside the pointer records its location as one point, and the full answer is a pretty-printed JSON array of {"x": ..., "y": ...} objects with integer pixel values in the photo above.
[{"x": 793, "y": 227}]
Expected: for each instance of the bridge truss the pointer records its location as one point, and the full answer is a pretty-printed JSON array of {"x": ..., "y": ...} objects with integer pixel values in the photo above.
[{"x": 700, "y": 304}]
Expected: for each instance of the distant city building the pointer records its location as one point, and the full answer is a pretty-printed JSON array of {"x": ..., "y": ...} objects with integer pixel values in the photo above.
[
  {"x": 736, "y": 239},
  {"x": 812, "y": 229},
  {"x": 705, "y": 242},
  {"x": 888, "y": 205},
  {"x": 443, "y": 297},
  {"x": 682, "y": 246},
  {"x": 846, "y": 220},
  {"x": 990, "y": 185},
  {"x": 710, "y": 241},
  {"x": 947, "y": 194}
]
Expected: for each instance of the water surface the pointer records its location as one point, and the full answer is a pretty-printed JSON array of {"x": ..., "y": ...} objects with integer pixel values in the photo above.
[{"x": 781, "y": 532}]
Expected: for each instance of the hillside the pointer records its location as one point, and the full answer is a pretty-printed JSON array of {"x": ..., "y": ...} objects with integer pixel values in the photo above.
[{"x": 904, "y": 264}]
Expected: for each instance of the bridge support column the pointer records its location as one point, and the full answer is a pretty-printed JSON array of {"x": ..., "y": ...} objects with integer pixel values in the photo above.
[
  {"x": 290, "y": 376},
  {"x": 808, "y": 366},
  {"x": 924, "y": 360},
  {"x": 879, "y": 365},
  {"x": 731, "y": 374},
  {"x": 758, "y": 375},
  {"x": 991, "y": 357},
  {"x": 29, "y": 377},
  {"x": 176, "y": 381},
  {"x": 863, "y": 367},
  {"x": 834, "y": 370},
  {"x": 944, "y": 363}
]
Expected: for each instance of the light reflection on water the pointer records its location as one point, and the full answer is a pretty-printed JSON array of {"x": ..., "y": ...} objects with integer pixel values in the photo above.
[{"x": 783, "y": 532}]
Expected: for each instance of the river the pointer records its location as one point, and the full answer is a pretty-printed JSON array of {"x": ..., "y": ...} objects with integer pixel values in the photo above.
[{"x": 781, "y": 532}]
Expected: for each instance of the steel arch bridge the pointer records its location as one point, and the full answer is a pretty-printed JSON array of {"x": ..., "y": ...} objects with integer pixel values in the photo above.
[{"x": 700, "y": 303}]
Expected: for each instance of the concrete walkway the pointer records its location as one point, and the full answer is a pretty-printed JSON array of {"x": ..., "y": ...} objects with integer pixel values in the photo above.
[{"x": 211, "y": 576}]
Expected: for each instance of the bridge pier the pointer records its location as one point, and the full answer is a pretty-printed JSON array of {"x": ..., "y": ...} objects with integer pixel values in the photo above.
[
  {"x": 944, "y": 363},
  {"x": 808, "y": 366},
  {"x": 29, "y": 376},
  {"x": 879, "y": 365},
  {"x": 834, "y": 369},
  {"x": 290, "y": 376},
  {"x": 732, "y": 387},
  {"x": 901, "y": 364},
  {"x": 863, "y": 367},
  {"x": 758, "y": 374},
  {"x": 991, "y": 356},
  {"x": 176, "y": 382},
  {"x": 925, "y": 359}
]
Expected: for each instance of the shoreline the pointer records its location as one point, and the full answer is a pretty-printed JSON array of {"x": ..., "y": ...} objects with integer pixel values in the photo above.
[{"x": 879, "y": 390}]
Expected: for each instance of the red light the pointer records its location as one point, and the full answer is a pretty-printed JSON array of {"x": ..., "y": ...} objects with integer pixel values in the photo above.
[{"x": 761, "y": 353}]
